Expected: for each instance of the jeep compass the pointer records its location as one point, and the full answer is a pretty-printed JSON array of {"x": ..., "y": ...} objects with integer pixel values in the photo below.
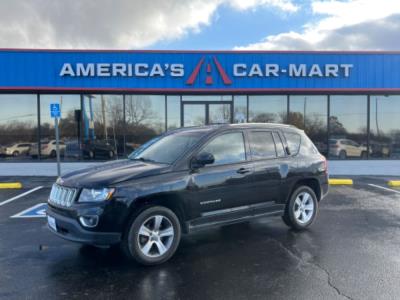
[{"x": 187, "y": 180}]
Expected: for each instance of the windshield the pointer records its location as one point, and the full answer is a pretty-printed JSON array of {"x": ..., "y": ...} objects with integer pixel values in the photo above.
[{"x": 166, "y": 149}]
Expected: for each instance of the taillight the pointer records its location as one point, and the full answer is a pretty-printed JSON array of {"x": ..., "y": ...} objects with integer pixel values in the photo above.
[
  {"x": 44, "y": 147},
  {"x": 334, "y": 146}
]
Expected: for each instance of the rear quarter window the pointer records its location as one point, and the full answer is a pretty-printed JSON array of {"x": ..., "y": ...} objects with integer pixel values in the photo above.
[
  {"x": 293, "y": 142},
  {"x": 307, "y": 147}
]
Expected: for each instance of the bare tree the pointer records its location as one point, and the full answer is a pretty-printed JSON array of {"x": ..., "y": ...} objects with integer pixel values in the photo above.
[{"x": 138, "y": 110}]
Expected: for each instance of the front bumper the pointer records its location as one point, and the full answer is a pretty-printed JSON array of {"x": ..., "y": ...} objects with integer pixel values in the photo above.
[{"x": 70, "y": 229}]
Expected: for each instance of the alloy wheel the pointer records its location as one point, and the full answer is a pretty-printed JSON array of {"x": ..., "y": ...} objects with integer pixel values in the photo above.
[
  {"x": 303, "y": 207},
  {"x": 155, "y": 236}
]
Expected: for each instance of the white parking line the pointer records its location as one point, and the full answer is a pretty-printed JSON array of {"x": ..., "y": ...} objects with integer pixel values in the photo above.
[
  {"x": 384, "y": 188},
  {"x": 21, "y": 195}
]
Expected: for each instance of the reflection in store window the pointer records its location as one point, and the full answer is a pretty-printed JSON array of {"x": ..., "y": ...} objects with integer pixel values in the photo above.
[
  {"x": 174, "y": 112},
  {"x": 145, "y": 119},
  {"x": 384, "y": 127},
  {"x": 103, "y": 126},
  {"x": 206, "y": 98},
  {"x": 310, "y": 114},
  {"x": 267, "y": 109},
  {"x": 68, "y": 126},
  {"x": 240, "y": 109},
  {"x": 18, "y": 126},
  {"x": 348, "y": 127}
]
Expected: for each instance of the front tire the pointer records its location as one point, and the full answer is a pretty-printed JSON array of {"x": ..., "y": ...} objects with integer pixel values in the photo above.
[
  {"x": 153, "y": 236},
  {"x": 302, "y": 208}
]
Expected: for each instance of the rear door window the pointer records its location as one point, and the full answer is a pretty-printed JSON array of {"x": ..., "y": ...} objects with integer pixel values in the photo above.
[{"x": 262, "y": 145}]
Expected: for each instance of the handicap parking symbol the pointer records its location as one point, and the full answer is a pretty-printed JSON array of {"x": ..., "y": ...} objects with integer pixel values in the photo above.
[{"x": 36, "y": 211}]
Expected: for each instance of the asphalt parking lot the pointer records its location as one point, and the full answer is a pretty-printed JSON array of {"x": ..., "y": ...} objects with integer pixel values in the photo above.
[{"x": 352, "y": 251}]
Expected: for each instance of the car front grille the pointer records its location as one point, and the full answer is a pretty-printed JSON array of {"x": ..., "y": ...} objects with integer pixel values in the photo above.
[{"x": 62, "y": 196}]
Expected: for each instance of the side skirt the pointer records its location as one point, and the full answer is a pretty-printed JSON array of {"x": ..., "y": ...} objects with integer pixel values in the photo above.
[{"x": 234, "y": 215}]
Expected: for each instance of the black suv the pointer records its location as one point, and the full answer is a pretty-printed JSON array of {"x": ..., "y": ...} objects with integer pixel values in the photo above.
[{"x": 189, "y": 179}]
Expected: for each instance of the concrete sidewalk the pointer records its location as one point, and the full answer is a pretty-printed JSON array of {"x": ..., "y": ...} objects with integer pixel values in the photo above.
[{"x": 335, "y": 167}]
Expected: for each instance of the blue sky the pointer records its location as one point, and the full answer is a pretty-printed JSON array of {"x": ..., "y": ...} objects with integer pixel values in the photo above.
[{"x": 230, "y": 27}]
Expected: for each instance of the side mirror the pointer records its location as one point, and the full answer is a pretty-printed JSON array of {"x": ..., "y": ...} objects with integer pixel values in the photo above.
[{"x": 202, "y": 159}]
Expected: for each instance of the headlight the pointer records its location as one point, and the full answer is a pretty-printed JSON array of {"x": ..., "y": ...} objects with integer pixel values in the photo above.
[{"x": 95, "y": 195}]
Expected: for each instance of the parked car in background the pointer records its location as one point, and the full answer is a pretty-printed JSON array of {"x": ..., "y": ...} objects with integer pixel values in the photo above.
[
  {"x": 99, "y": 148},
  {"x": 344, "y": 148},
  {"x": 379, "y": 150},
  {"x": 47, "y": 149},
  {"x": 394, "y": 151},
  {"x": 18, "y": 149}
]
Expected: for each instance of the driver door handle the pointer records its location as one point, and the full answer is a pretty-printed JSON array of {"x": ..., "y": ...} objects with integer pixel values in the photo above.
[{"x": 243, "y": 170}]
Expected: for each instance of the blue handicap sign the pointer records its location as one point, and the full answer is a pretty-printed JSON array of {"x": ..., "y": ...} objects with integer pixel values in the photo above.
[
  {"x": 55, "y": 111},
  {"x": 36, "y": 211}
]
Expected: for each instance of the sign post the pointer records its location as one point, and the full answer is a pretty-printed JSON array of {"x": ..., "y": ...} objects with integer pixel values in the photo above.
[{"x": 56, "y": 114}]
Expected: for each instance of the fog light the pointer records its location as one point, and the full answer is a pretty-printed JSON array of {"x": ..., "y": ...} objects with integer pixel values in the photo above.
[{"x": 89, "y": 221}]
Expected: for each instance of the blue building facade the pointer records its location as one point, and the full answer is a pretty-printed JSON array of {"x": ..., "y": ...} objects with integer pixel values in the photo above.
[{"x": 113, "y": 101}]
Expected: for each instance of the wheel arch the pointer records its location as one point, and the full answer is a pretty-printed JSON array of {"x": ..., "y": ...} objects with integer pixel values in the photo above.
[
  {"x": 312, "y": 183},
  {"x": 170, "y": 201}
]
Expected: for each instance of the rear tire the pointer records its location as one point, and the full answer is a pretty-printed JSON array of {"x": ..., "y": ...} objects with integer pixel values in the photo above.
[
  {"x": 302, "y": 208},
  {"x": 152, "y": 236},
  {"x": 342, "y": 154}
]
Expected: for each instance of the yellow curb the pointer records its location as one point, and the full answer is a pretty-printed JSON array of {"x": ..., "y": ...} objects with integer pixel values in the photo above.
[
  {"x": 340, "y": 181},
  {"x": 393, "y": 183},
  {"x": 10, "y": 185}
]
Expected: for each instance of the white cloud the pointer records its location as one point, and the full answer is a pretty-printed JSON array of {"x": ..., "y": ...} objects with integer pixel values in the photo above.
[
  {"x": 110, "y": 23},
  {"x": 343, "y": 25},
  {"x": 284, "y": 5}
]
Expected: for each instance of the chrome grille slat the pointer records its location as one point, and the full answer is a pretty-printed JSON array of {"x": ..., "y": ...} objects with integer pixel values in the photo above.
[{"x": 62, "y": 196}]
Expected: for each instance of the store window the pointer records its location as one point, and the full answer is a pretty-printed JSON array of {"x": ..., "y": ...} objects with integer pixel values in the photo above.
[
  {"x": 384, "y": 127},
  {"x": 267, "y": 109},
  {"x": 240, "y": 109},
  {"x": 202, "y": 98},
  {"x": 102, "y": 127},
  {"x": 173, "y": 112},
  {"x": 18, "y": 126},
  {"x": 145, "y": 119},
  {"x": 310, "y": 113},
  {"x": 348, "y": 127},
  {"x": 69, "y": 128}
]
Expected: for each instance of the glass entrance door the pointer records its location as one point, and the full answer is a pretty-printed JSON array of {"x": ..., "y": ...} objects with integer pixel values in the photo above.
[
  {"x": 194, "y": 115},
  {"x": 205, "y": 113}
]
